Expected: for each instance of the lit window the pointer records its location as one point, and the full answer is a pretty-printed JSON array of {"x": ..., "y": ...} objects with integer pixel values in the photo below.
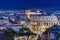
[
  {"x": 49, "y": 23},
  {"x": 46, "y": 23}
]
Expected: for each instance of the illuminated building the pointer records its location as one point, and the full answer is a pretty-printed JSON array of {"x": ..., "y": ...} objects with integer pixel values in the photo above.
[
  {"x": 40, "y": 22},
  {"x": 28, "y": 12}
]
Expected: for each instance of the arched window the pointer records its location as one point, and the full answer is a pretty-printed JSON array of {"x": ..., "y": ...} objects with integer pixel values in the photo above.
[
  {"x": 47, "y": 24},
  {"x": 44, "y": 23}
]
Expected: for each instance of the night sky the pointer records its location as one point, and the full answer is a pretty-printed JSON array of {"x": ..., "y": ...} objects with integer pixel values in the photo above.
[{"x": 26, "y": 4}]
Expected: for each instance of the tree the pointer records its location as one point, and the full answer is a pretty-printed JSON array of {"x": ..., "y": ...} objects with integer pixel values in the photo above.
[
  {"x": 9, "y": 33},
  {"x": 12, "y": 32},
  {"x": 25, "y": 31}
]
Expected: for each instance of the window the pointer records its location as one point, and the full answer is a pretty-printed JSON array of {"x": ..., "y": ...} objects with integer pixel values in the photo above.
[
  {"x": 49, "y": 23},
  {"x": 41, "y": 23},
  {"x": 42, "y": 18},
  {"x": 45, "y": 23},
  {"x": 34, "y": 23},
  {"x": 34, "y": 28}
]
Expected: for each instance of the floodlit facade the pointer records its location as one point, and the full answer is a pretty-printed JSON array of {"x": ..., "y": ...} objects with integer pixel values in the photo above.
[
  {"x": 39, "y": 23},
  {"x": 36, "y": 22},
  {"x": 28, "y": 12}
]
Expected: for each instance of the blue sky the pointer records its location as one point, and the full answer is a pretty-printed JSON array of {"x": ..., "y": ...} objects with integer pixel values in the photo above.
[
  {"x": 25, "y": 4},
  {"x": 9, "y": 4}
]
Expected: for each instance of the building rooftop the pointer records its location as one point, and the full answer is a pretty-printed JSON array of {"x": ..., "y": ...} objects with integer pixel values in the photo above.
[
  {"x": 14, "y": 25},
  {"x": 44, "y": 18},
  {"x": 22, "y": 17}
]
